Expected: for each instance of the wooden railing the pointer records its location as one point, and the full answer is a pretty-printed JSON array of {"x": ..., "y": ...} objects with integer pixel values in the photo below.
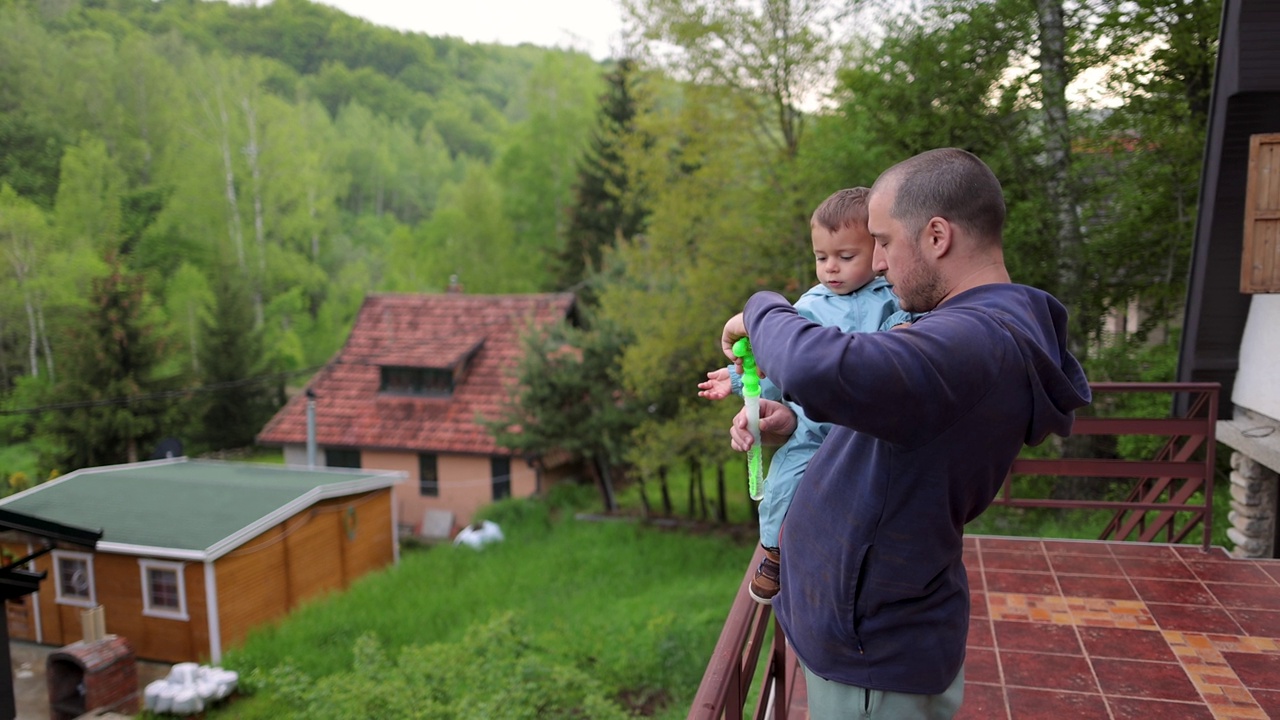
[
  {"x": 726, "y": 684},
  {"x": 1167, "y": 485},
  {"x": 1188, "y": 456}
]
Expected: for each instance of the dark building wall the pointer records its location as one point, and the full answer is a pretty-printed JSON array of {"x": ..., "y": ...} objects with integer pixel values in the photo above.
[{"x": 1246, "y": 101}]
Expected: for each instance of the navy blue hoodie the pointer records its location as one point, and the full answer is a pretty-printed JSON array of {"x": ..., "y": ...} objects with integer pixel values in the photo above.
[{"x": 928, "y": 421}]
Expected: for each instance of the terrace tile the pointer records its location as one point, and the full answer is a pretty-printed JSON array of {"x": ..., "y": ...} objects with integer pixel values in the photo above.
[
  {"x": 1122, "y": 631},
  {"x": 1118, "y": 631}
]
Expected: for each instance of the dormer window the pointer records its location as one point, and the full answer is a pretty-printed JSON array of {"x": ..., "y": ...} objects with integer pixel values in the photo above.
[{"x": 422, "y": 382}]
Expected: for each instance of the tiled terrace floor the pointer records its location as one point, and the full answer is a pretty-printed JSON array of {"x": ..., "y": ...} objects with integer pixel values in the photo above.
[{"x": 1119, "y": 631}]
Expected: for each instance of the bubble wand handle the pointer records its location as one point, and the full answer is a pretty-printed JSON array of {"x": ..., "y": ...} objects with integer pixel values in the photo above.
[{"x": 751, "y": 399}]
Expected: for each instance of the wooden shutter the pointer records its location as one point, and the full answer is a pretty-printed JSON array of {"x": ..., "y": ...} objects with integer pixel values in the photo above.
[{"x": 1260, "y": 266}]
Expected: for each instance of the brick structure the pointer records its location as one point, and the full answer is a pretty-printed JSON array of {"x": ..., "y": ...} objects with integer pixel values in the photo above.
[
  {"x": 1253, "y": 508},
  {"x": 1254, "y": 439},
  {"x": 86, "y": 676}
]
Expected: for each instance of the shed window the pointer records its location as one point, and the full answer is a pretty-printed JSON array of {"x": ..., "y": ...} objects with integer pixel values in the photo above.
[
  {"x": 426, "y": 382},
  {"x": 163, "y": 593},
  {"x": 428, "y": 475},
  {"x": 74, "y": 578},
  {"x": 500, "y": 469}
]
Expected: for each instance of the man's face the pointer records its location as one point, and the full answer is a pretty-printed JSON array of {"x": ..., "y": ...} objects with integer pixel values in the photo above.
[{"x": 899, "y": 258}]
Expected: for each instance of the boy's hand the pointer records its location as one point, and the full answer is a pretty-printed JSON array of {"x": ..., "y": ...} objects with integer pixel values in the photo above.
[
  {"x": 717, "y": 385},
  {"x": 777, "y": 423}
]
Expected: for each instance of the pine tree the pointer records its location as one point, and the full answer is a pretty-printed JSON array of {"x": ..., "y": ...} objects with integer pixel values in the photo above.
[
  {"x": 119, "y": 404},
  {"x": 236, "y": 404},
  {"x": 605, "y": 211}
]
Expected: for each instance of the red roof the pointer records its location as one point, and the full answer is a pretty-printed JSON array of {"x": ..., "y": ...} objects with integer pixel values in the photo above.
[{"x": 480, "y": 333}]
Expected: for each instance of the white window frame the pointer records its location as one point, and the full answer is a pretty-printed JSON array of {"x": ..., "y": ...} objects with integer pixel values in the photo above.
[
  {"x": 63, "y": 598},
  {"x": 150, "y": 610}
]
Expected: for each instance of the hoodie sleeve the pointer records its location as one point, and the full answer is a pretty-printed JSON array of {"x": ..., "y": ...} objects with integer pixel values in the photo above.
[
  {"x": 906, "y": 386},
  {"x": 939, "y": 368}
]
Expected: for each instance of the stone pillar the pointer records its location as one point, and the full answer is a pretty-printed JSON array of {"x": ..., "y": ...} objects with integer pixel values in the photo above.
[{"x": 1253, "y": 508}]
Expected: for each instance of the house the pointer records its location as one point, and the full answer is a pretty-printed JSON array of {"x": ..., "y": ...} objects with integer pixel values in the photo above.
[
  {"x": 1231, "y": 332},
  {"x": 408, "y": 392},
  {"x": 196, "y": 553}
]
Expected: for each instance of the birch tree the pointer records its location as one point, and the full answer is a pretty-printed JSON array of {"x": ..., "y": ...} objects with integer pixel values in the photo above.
[{"x": 24, "y": 236}]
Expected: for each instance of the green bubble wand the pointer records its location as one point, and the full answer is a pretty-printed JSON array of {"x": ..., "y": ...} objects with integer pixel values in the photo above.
[{"x": 751, "y": 399}]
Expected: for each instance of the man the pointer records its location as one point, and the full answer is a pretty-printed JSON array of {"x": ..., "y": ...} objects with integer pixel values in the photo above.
[{"x": 928, "y": 419}]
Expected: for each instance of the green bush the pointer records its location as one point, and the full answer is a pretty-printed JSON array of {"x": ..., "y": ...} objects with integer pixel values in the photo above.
[{"x": 496, "y": 670}]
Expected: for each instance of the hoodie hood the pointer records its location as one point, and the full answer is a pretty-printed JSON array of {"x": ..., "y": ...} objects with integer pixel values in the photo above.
[{"x": 1058, "y": 383}]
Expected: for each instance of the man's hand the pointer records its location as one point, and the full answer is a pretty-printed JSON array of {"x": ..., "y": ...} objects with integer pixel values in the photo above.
[
  {"x": 717, "y": 385},
  {"x": 733, "y": 330},
  {"x": 777, "y": 423}
]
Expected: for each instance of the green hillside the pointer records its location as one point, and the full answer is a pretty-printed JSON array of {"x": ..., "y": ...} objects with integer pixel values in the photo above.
[{"x": 254, "y": 169}]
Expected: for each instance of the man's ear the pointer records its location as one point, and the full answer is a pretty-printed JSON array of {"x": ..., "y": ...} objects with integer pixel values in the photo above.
[{"x": 939, "y": 233}]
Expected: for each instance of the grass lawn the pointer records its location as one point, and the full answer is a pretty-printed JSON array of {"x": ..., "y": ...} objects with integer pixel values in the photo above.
[{"x": 635, "y": 608}]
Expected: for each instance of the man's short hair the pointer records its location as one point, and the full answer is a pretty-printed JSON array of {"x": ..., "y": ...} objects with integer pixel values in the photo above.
[
  {"x": 949, "y": 183},
  {"x": 842, "y": 209}
]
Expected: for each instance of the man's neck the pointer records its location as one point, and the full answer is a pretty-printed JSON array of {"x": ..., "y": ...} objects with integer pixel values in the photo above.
[{"x": 990, "y": 273}]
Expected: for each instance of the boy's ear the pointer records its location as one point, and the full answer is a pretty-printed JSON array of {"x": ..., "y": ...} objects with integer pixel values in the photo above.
[{"x": 940, "y": 233}]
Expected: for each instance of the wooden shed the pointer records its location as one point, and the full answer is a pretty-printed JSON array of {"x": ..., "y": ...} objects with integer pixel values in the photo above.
[{"x": 195, "y": 553}]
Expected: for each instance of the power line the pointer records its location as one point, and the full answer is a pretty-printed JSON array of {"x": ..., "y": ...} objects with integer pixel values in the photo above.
[{"x": 161, "y": 395}]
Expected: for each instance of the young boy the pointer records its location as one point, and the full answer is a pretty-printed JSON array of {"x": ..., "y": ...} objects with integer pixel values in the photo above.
[{"x": 850, "y": 296}]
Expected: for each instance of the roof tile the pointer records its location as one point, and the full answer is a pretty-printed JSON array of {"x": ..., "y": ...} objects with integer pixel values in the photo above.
[{"x": 426, "y": 331}]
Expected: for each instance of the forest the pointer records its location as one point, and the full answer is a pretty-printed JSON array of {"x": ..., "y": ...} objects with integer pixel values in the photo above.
[{"x": 196, "y": 196}]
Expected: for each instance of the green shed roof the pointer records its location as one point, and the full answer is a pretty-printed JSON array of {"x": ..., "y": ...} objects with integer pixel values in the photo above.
[{"x": 190, "y": 508}]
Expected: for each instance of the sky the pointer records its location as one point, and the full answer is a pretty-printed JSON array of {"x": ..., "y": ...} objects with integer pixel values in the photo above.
[{"x": 593, "y": 26}]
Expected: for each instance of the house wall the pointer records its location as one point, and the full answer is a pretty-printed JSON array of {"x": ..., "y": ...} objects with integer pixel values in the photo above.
[
  {"x": 466, "y": 484},
  {"x": 1257, "y": 385},
  {"x": 118, "y": 588},
  {"x": 322, "y": 549}
]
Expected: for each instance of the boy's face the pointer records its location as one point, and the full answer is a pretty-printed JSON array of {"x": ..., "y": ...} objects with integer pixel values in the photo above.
[{"x": 843, "y": 258}]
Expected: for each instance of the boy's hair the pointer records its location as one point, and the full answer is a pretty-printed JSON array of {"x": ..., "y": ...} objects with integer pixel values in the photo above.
[{"x": 842, "y": 209}]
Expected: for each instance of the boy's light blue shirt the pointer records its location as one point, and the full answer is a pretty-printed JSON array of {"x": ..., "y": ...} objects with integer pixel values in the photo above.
[{"x": 871, "y": 308}]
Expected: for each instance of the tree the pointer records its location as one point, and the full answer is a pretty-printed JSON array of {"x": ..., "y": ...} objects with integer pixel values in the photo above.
[
  {"x": 778, "y": 56},
  {"x": 604, "y": 211},
  {"x": 118, "y": 404},
  {"x": 25, "y": 238},
  {"x": 767, "y": 64},
  {"x": 30, "y": 158},
  {"x": 469, "y": 236},
  {"x": 538, "y": 161},
  {"x": 88, "y": 206},
  {"x": 1144, "y": 156},
  {"x": 1060, "y": 191},
  {"x": 569, "y": 400},
  {"x": 239, "y": 399},
  {"x": 189, "y": 302}
]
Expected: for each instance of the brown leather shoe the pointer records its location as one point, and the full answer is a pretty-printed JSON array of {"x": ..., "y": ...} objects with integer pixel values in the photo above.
[{"x": 765, "y": 584}]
